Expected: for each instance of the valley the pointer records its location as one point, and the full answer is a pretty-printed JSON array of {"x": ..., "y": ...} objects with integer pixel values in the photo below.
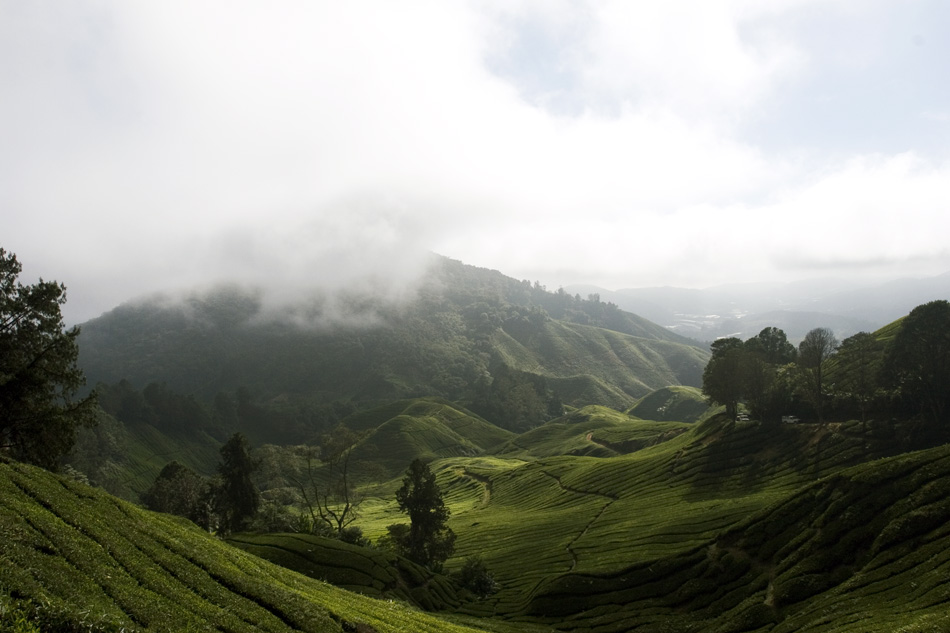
[{"x": 580, "y": 460}]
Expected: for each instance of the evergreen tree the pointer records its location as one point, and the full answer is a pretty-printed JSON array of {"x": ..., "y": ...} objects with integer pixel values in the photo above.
[
  {"x": 238, "y": 498},
  {"x": 38, "y": 372},
  {"x": 428, "y": 541}
]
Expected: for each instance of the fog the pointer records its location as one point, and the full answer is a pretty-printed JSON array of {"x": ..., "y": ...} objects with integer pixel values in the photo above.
[{"x": 156, "y": 146}]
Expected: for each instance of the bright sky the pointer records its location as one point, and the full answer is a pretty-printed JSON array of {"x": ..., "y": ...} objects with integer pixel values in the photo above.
[{"x": 154, "y": 145}]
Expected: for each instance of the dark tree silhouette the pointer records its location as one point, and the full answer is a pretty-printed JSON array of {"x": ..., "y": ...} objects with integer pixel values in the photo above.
[
  {"x": 38, "y": 372},
  {"x": 722, "y": 378},
  {"x": 238, "y": 497},
  {"x": 918, "y": 359},
  {"x": 177, "y": 490},
  {"x": 428, "y": 541},
  {"x": 813, "y": 352}
]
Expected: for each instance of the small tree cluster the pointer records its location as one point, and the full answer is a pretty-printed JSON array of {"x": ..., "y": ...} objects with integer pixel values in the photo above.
[
  {"x": 755, "y": 372},
  {"x": 226, "y": 503},
  {"x": 906, "y": 375}
]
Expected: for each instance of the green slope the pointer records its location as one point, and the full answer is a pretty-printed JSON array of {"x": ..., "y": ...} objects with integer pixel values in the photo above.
[
  {"x": 365, "y": 570},
  {"x": 679, "y": 403},
  {"x": 542, "y": 524},
  {"x": 75, "y": 558},
  {"x": 464, "y": 330},
  {"x": 593, "y": 431},
  {"x": 867, "y": 549}
]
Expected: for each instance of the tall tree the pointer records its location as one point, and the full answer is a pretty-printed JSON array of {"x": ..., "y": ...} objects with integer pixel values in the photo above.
[
  {"x": 813, "y": 352},
  {"x": 722, "y": 377},
  {"x": 857, "y": 371},
  {"x": 238, "y": 498},
  {"x": 39, "y": 377},
  {"x": 918, "y": 359},
  {"x": 429, "y": 541}
]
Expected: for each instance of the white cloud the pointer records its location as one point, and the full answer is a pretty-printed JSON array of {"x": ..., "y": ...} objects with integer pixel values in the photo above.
[{"x": 175, "y": 142}]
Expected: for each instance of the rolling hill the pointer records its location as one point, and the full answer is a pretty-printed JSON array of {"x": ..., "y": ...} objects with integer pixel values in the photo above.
[
  {"x": 721, "y": 526},
  {"x": 74, "y": 558},
  {"x": 508, "y": 350}
]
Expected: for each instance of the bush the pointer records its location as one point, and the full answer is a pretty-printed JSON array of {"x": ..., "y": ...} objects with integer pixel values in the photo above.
[{"x": 475, "y": 577}]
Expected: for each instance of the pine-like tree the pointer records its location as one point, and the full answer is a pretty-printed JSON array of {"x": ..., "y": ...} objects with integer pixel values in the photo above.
[
  {"x": 38, "y": 373},
  {"x": 429, "y": 541},
  {"x": 238, "y": 498}
]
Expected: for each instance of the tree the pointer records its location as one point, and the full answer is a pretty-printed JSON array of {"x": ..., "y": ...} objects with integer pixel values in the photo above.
[
  {"x": 814, "y": 350},
  {"x": 238, "y": 498},
  {"x": 330, "y": 495},
  {"x": 428, "y": 541},
  {"x": 772, "y": 345},
  {"x": 918, "y": 359},
  {"x": 857, "y": 371},
  {"x": 722, "y": 377},
  {"x": 38, "y": 373},
  {"x": 176, "y": 490}
]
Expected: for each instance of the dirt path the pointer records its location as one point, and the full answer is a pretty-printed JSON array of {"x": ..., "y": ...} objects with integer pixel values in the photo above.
[
  {"x": 610, "y": 500},
  {"x": 485, "y": 483}
]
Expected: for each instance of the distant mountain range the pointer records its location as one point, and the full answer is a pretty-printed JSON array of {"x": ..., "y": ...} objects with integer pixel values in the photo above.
[{"x": 742, "y": 310}]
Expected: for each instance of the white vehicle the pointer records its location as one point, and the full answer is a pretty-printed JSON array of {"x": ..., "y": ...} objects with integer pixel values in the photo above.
[{"x": 790, "y": 419}]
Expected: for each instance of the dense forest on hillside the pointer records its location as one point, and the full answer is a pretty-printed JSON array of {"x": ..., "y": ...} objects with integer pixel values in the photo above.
[{"x": 509, "y": 350}]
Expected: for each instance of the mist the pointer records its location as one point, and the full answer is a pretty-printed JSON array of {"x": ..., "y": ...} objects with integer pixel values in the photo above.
[{"x": 147, "y": 148}]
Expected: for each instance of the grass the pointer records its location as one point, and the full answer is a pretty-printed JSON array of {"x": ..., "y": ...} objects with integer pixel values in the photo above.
[
  {"x": 76, "y": 558},
  {"x": 593, "y": 431},
  {"x": 664, "y": 538},
  {"x": 712, "y": 526}
]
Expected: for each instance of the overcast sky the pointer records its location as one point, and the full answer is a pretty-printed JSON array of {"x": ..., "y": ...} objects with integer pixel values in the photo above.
[{"x": 154, "y": 145}]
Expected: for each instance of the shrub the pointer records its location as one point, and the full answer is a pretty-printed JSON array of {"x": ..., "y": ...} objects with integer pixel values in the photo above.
[{"x": 475, "y": 577}]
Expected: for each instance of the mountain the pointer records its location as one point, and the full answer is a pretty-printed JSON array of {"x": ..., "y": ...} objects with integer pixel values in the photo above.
[
  {"x": 508, "y": 350},
  {"x": 742, "y": 310}
]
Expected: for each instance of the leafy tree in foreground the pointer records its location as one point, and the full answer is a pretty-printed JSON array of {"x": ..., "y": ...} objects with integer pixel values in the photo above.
[
  {"x": 38, "y": 372},
  {"x": 428, "y": 541},
  {"x": 238, "y": 497}
]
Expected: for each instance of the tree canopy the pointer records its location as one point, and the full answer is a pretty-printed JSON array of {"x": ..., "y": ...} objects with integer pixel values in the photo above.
[
  {"x": 39, "y": 377},
  {"x": 918, "y": 361}
]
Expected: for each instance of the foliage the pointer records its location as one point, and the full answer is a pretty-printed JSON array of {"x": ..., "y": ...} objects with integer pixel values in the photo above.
[
  {"x": 329, "y": 494},
  {"x": 39, "y": 376},
  {"x": 238, "y": 497},
  {"x": 918, "y": 360},
  {"x": 475, "y": 577},
  {"x": 177, "y": 490},
  {"x": 428, "y": 541},
  {"x": 722, "y": 378},
  {"x": 813, "y": 353}
]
